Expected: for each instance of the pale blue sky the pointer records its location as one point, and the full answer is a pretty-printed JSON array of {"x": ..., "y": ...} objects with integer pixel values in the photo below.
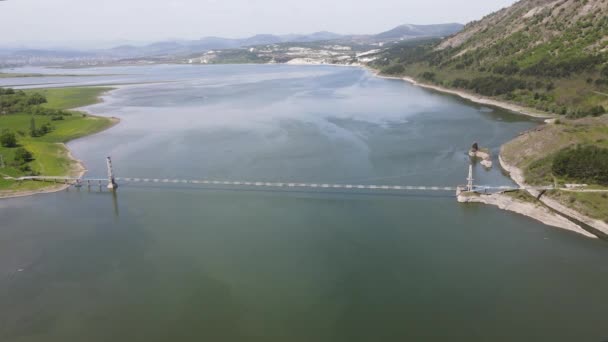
[{"x": 79, "y": 21}]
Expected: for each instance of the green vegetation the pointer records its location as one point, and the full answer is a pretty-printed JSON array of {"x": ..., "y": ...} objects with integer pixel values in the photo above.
[
  {"x": 588, "y": 203},
  {"x": 239, "y": 56},
  {"x": 553, "y": 59},
  {"x": 523, "y": 196},
  {"x": 571, "y": 151},
  {"x": 582, "y": 164},
  {"x": 69, "y": 98},
  {"x": 34, "y": 124}
]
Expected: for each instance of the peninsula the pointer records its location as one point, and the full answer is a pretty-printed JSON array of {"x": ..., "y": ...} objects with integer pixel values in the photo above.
[{"x": 34, "y": 127}]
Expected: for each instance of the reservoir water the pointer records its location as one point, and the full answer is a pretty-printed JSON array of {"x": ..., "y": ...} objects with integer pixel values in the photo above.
[{"x": 184, "y": 263}]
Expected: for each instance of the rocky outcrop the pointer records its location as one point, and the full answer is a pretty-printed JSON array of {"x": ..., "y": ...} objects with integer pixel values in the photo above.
[{"x": 483, "y": 155}]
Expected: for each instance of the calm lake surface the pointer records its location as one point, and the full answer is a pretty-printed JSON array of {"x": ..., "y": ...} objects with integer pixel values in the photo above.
[{"x": 183, "y": 263}]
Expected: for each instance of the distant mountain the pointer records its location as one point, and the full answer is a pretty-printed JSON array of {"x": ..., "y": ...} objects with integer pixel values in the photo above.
[
  {"x": 408, "y": 31},
  {"x": 214, "y": 43},
  {"x": 314, "y": 37},
  {"x": 172, "y": 48}
]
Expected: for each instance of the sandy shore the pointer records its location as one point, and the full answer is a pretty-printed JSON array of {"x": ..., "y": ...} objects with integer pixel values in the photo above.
[
  {"x": 483, "y": 100},
  {"x": 465, "y": 95},
  {"x": 25, "y": 193},
  {"x": 534, "y": 211}
]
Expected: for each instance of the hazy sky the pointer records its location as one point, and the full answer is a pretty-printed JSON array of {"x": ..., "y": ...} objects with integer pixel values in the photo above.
[{"x": 65, "y": 21}]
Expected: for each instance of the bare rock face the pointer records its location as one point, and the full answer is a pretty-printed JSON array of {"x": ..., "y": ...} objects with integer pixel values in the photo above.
[
  {"x": 487, "y": 163},
  {"x": 548, "y": 18}
]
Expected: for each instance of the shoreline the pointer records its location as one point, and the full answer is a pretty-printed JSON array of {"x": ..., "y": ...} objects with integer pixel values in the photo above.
[
  {"x": 484, "y": 100},
  {"x": 563, "y": 217},
  {"x": 468, "y": 96},
  {"x": 460, "y": 93},
  {"x": 536, "y": 212},
  {"x": 78, "y": 168},
  {"x": 516, "y": 175}
]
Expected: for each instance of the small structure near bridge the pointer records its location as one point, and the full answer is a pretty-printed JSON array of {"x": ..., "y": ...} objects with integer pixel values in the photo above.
[{"x": 481, "y": 153}]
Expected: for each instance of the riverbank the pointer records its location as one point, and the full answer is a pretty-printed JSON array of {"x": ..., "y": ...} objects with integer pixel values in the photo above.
[
  {"x": 518, "y": 175},
  {"x": 466, "y": 95},
  {"x": 532, "y": 210},
  {"x": 51, "y": 155},
  {"x": 543, "y": 212}
]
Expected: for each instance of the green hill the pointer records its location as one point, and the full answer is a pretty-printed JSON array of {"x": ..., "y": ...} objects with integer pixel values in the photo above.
[{"x": 544, "y": 54}]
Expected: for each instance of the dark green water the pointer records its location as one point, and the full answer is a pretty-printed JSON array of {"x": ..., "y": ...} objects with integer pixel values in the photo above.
[{"x": 175, "y": 263}]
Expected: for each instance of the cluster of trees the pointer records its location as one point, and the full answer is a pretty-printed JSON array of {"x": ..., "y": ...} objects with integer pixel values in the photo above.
[
  {"x": 583, "y": 112},
  {"x": 17, "y": 101},
  {"x": 587, "y": 164},
  {"x": 491, "y": 85},
  {"x": 39, "y": 132},
  {"x": 550, "y": 67},
  {"x": 514, "y": 68},
  {"x": 55, "y": 114},
  {"x": 428, "y": 76},
  {"x": 508, "y": 69},
  {"x": 22, "y": 156},
  {"x": 396, "y": 69}
]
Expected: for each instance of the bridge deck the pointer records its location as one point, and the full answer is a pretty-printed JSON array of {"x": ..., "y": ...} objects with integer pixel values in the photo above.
[{"x": 285, "y": 185}]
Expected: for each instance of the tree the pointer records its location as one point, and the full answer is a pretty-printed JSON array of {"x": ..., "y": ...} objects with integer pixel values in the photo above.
[
  {"x": 394, "y": 69},
  {"x": 23, "y": 156},
  {"x": 8, "y": 139},
  {"x": 33, "y": 131},
  {"x": 36, "y": 99},
  {"x": 586, "y": 164}
]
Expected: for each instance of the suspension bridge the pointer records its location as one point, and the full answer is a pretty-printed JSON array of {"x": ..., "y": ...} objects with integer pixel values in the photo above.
[{"x": 112, "y": 184}]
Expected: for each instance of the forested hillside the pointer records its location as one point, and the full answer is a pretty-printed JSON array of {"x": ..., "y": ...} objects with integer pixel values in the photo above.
[{"x": 546, "y": 54}]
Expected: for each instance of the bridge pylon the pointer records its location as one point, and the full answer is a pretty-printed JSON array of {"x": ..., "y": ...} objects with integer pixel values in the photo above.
[
  {"x": 112, "y": 186},
  {"x": 470, "y": 179}
]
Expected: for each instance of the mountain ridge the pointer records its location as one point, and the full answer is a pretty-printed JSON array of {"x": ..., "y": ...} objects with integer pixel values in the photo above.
[
  {"x": 551, "y": 55},
  {"x": 187, "y": 47}
]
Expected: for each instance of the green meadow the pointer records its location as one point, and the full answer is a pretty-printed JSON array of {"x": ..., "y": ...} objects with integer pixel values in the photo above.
[{"x": 50, "y": 157}]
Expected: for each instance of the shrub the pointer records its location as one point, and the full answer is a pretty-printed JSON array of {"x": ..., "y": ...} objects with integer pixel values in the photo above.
[
  {"x": 36, "y": 99},
  {"x": 394, "y": 69},
  {"x": 428, "y": 76},
  {"x": 493, "y": 85},
  {"x": 597, "y": 110},
  {"x": 8, "y": 139},
  {"x": 585, "y": 164},
  {"x": 23, "y": 156}
]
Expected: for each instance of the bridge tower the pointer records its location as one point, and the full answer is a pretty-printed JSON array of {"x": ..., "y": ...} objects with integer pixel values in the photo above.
[
  {"x": 111, "y": 180},
  {"x": 470, "y": 179}
]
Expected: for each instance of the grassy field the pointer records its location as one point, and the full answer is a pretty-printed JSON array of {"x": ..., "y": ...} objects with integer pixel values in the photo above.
[
  {"x": 533, "y": 153},
  {"x": 50, "y": 155}
]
